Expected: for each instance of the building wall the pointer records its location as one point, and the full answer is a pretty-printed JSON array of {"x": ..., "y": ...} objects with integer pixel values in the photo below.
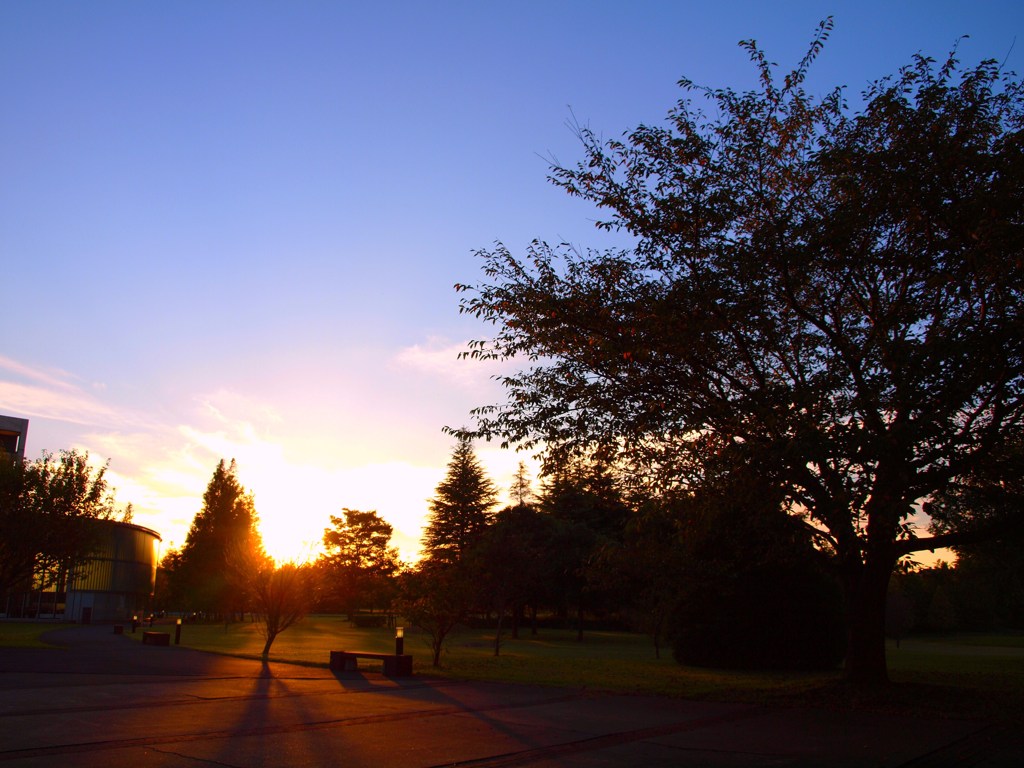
[
  {"x": 118, "y": 581},
  {"x": 13, "y": 432}
]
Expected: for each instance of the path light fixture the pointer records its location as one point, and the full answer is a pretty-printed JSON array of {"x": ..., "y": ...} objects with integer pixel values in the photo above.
[
  {"x": 177, "y": 632},
  {"x": 135, "y": 623},
  {"x": 399, "y": 641}
]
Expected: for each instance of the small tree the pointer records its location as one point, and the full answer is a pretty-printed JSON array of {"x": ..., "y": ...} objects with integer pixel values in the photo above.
[
  {"x": 509, "y": 560},
  {"x": 436, "y": 598},
  {"x": 521, "y": 491},
  {"x": 461, "y": 508},
  {"x": 280, "y": 598}
]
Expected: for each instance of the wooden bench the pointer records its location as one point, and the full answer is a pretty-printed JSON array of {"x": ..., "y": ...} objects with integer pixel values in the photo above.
[
  {"x": 156, "y": 638},
  {"x": 394, "y": 665}
]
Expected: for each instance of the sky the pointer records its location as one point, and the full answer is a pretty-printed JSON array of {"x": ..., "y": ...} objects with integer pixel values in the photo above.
[{"x": 232, "y": 229}]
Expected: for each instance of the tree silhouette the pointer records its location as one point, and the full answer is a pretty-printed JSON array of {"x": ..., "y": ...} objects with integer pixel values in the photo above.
[
  {"x": 224, "y": 530},
  {"x": 461, "y": 507},
  {"x": 359, "y": 563},
  {"x": 437, "y": 597},
  {"x": 521, "y": 491},
  {"x": 47, "y": 510},
  {"x": 280, "y": 597},
  {"x": 836, "y": 294}
]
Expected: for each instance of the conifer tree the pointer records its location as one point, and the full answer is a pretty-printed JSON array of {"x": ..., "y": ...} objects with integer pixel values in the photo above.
[
  {"x": 223, "y": 534},
  {"x": 461, "y": 508}
]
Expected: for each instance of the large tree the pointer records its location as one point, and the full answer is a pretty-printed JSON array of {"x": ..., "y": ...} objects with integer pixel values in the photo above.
[
  {"x": 223, "y": 534},
  {"x": 47, "y": 510},
  {"x": 834, "y": 292},
  {"x": 461, "y": 508},
  {"x": 359, "y": 563}
]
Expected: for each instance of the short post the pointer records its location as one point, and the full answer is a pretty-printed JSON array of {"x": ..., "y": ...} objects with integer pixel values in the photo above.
[
  {"x": 135, "y": 623},
  {"x": 399, "y": 641},
  {"x": 177, "y": 632}
]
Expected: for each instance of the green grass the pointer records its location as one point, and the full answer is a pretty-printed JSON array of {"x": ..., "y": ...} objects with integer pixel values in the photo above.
[
  {"x": 975, "y": 676},
  {"x": 957, "y": 675},
  {"x": 975, "y": 664},
  {"x": 25, "y": 634},
  {"x": 615, "y": 661}
]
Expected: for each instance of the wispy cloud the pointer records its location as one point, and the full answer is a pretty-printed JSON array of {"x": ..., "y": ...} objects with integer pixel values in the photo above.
[
  {"x": 54, "y": 378},
  {"x": 439, "y": 358},
  {"x": 52, "y": 394},
  {"x": 162, "y": 462}
]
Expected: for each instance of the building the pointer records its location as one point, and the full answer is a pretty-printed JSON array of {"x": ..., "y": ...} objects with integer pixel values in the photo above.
[
  {"x": 13, "y": 432},
  {"x": 115, "y": 582},
  {"x": 118, "y": 579}
]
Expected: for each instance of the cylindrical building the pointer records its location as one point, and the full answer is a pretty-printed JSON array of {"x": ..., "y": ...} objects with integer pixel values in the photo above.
[{"x": 117, "y": 581}]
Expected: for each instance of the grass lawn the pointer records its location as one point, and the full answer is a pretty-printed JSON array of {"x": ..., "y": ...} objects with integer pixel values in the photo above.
[
  {"x": 956, "y": 675},
  {"x": 616, "y": 661},
  {"x": 25, "y": 634},
  {"x": 963, "y": 675}
]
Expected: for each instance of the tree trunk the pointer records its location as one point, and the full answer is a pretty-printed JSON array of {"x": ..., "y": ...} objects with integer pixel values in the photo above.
[
  {"x": 266, "y": 646},
  {"x": 436, "y": 646},
  {"x": 497, "y": 633},
  {"x": 866, "y": 589}
]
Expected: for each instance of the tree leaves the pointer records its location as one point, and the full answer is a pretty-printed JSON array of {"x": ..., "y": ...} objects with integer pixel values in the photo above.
[{"x": 838, "y": 293}]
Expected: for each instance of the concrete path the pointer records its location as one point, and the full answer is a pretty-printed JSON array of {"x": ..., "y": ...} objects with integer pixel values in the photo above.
[{"x": 105, "y": 700}]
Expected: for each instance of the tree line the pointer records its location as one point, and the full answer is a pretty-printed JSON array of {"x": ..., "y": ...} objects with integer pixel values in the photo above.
[{"x": 724, "y": 578}]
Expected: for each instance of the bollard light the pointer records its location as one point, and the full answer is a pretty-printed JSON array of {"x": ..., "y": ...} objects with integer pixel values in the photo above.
[
  {"x": 135, "y": 623},
  {"x": 177, "y": 632},
  {"x": 399, "y": 641}
]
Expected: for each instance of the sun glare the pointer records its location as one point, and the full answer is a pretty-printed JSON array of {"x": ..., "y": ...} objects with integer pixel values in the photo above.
[
  {"x": 295, "y": 504},
  {"x": 294, "y": 498}
]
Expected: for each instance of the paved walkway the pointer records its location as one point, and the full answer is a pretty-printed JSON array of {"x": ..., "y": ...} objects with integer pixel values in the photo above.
[{"x": 105, "y": 700}]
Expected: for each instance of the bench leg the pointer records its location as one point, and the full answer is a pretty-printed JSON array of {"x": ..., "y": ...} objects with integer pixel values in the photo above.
[{"x": 398, "y": 666}]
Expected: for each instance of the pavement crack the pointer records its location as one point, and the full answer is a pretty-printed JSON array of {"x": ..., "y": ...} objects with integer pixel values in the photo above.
[
  {"x": 605, "y": 741},
  {"x": 194, "y": 759}
]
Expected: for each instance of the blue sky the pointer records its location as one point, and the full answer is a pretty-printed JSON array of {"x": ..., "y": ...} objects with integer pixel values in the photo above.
[{"x": 231, "y": 229}]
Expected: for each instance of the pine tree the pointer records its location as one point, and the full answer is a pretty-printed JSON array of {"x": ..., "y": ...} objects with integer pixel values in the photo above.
[
  {"x": 461, "y": 508},
  {"x": 521, "y": 491},
  {"x": 223, "y": 534}
]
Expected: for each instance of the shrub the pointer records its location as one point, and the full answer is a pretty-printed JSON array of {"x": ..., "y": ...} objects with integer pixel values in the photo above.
[{"x": 785, "y": 615}]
